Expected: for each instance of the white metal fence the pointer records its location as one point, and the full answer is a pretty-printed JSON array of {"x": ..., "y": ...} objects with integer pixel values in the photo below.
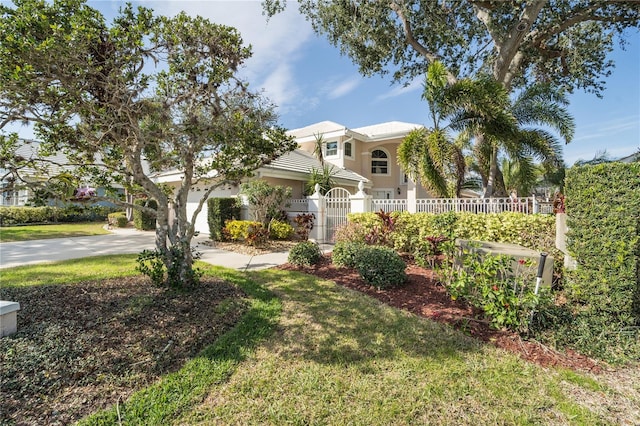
[
  {"x": 475, "y": 205},
  {"x": 442, "y": 205},
  {"x": 388, "y": 205}
]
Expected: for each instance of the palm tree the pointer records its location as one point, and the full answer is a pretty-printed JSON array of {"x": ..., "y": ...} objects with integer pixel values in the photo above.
[
  {"x": 515, "y": 133},
  {"x": 482, "y": 112},
  {"x": 318, "y": 148},
  {"x": 432, "y": 155}
]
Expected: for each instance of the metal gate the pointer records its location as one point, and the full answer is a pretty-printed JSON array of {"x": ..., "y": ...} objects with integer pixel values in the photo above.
[{"x": 338, "y": 205}]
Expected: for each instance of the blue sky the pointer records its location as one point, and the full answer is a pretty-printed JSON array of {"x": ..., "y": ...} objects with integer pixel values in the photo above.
[{"x": 310, "y": 81}]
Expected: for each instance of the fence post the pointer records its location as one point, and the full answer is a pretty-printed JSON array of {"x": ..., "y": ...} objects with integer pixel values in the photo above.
[
  {"x": 536, "y": 206},
  {"x": 360, "y": 202},
  {"x": 317, "y": 208}
]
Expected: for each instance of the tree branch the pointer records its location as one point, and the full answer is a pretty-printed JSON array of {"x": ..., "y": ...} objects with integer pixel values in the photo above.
[
  {"x": 413, "y": 42},
  {"x": 587, "y": 14},
  {"x": 504, "y": 66}
]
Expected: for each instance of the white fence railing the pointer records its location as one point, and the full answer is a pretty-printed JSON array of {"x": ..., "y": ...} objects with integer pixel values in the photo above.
[
  {"x": 443, "y": 205},
  {"x": 388, "y": 205},
  {"x": 475, "y": 205}
]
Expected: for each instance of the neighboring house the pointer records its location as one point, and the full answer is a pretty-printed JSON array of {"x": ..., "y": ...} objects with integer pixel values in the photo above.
[
  {"x": 18, "y": 192},
  {"x": 633, "y": 158}
]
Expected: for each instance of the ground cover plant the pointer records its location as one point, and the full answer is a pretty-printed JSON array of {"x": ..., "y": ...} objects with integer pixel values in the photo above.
[{"x": 62, "y": 230}]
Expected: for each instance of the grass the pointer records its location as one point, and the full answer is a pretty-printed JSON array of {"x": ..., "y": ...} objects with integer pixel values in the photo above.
[
  {"x": 342, "y": 358},
  {"x": 69, "y": 271},
  {"x": 40, "y": 232},
  {"x": 311, "y": 352}
]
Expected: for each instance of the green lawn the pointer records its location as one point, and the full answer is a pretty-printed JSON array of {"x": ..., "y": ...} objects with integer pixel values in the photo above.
[
  {"x": 62, "y": 230},
  {"x": 311, "y": 352}
]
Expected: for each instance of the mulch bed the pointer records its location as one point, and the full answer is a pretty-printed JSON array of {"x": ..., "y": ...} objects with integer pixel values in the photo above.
[
  {"x": 423, "y": 295},
  {"x": 87, "y": 346}
]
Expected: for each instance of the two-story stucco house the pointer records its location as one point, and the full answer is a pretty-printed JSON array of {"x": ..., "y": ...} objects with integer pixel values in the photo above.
[{"x": 369, "y": 151}]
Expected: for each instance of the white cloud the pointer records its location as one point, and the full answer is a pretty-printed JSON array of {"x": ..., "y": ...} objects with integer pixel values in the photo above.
[
  {"x": 609, "y": 128},
  {"x": 416, "y": 84},
  {"x": 278, "y": 87},
  {"x": 344, "y": 88}
]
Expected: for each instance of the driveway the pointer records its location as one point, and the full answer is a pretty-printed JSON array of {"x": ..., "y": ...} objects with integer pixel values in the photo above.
[{"x": 122, "y": 241}]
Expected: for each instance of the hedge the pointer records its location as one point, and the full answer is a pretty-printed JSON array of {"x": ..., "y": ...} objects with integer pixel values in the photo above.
[
  {"x": 220, "y": 210},
  {"x": 141, "y": 219},
  {"x": 10, "y": 216},
  {"x": 536, "y": 232},
  {"x": 603, "y": 217}
]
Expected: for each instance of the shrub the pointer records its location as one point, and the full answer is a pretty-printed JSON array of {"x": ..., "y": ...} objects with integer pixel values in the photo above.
[
  {"x": 380, "y": 266},
  {"x": 144, "y": 220},
  {"x": 536, "y": 232},
  {"x": 382, "y": 234},
  {"x": 280, "y": 230},
  {"x": 345, "y": 252},
  {"x": 151, "y": 264},
  {"x": 219, "y": 211},
  {"x": 71, "y": 213},
  {"x": 257, "y": 236},
  {"x": 350, "y": 232},
  {"x": 304, "y": 224},
  {"x": 426, "y": 253},
  {"x": 240, "y": 230},
  {"x": 488, "y": 282},
  {"x": 118, "y": 219},
  {"x": 266, "y": 201},
  {"x": 305, "y": 253}
]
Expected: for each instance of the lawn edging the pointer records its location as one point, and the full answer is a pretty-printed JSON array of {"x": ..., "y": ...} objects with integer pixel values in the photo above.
[{"x": 174, "y": 393}]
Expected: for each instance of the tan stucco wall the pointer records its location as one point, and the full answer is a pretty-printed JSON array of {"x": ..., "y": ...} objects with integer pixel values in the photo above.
[{"x": 361, "y": 164}]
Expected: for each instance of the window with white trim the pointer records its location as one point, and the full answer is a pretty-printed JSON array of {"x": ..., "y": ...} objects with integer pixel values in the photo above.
[
  {"x": 379, "y": 162},
  {"x": 331, "y": 149}
]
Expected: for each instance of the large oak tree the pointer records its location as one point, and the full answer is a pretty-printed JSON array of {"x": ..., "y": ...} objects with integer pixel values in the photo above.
[
  {"x": 140, "y": 95},
  {"x": 561, "y": 43}
]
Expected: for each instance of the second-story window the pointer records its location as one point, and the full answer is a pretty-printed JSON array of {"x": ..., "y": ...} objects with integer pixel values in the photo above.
[
  {"x": 331, "y": 149},
  {"x": 379, "y": 162},
  {"x": 347, "y": 149}
]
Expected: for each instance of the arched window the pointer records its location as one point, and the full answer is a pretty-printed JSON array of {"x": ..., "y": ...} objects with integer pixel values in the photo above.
[{"x": 379, "y": 162}]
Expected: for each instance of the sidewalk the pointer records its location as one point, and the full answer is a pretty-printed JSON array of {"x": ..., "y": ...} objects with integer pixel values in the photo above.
[{"x": 122, "y": 241}]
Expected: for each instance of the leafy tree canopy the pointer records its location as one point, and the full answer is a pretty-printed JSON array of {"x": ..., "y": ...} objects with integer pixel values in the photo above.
[
  {"x": 141, "y": 95},
  {"x": 560, "y": 42}
]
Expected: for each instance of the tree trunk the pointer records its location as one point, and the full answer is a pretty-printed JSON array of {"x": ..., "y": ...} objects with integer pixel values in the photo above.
[{"x": 493, "y": 172}]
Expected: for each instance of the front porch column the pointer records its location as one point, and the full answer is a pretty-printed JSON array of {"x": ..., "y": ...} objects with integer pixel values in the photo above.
[
  {"x": 412, "y": 196},
  {"x": 360, "y": 202},
  {"x": 317, "y": 208}
]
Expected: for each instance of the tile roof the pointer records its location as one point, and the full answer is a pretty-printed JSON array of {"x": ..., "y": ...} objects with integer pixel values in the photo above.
[
  {"x": 302, "y": 162},
  {"x": 313, "y": 129},
  {"x": 388, "y": 129}
]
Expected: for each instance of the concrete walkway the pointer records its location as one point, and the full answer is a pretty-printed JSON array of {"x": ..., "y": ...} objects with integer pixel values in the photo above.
[{"x": 122, "y": 241}]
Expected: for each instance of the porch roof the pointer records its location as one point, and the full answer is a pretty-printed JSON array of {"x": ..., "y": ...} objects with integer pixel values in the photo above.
[{"x": 302, "y": 162}]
